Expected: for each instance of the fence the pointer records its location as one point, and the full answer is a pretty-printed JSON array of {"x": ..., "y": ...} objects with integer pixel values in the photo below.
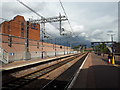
[{"x": 3, "y": 56}]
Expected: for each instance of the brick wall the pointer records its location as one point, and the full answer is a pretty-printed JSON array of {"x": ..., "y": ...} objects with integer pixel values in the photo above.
[
  {"x": 35, "y": 48},
  {"x": 17, "y": 27}
]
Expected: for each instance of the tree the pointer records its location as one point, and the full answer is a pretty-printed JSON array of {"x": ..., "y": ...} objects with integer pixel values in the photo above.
[
  {"x": 76, "y": 47},
  {"x": 101, "y": 48}
]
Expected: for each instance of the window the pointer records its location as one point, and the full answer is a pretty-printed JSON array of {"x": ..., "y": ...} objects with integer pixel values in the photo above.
[
  {"x": 22, "y": 23},
  {"x": 22, "y": 29}
]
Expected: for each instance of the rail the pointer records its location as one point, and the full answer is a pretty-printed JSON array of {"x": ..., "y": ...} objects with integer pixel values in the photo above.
[
  {"x": 58, "y": 84},
  {"x": 19, "y": 82}
]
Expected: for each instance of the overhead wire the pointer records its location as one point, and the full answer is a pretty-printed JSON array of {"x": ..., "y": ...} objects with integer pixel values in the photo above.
[
  {"x": 65, "y": 14},
  {"x": 67, "y": 18},
  {"x": 34, "y": 12},
  {"x": 30, "y": 9},
  {"x": 44, "y": 17}
]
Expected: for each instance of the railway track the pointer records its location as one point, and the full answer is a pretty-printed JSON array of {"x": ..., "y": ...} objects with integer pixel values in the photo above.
[
  {"x": 34, "y": 65},
  {"x": 7, "y": 74},
  {"x": 63, "y": 81},
  {"x": 19, "y": 82}
]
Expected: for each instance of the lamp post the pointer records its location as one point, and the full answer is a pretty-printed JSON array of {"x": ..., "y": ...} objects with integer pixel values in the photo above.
[
  {"x": 112, "y": 34},
  {"x": 55, "y": 46}
]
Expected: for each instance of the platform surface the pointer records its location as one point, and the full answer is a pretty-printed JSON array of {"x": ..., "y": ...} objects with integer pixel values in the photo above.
[
  {"x": 21, "y": 63},
  {"x": 97, "y": 73}
]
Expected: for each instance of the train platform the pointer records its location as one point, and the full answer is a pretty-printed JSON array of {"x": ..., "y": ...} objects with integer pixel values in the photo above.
[
  {"x": 98, "y": 73},
  {"x": 22, "y": 63}
]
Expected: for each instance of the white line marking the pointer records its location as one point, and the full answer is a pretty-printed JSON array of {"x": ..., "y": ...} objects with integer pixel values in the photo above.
[
  {"x": 30, "y": 63},
  {"x": 116, "y": 65},
  {"x": 76, "y": 75}
]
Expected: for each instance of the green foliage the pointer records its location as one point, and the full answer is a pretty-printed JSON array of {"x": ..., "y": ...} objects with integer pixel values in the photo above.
[
  {"x": 101, "y": 48},
  {"x": 76, "y": 47}
]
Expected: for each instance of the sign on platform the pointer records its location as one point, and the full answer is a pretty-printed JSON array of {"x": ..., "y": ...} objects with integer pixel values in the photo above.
[{"x": 12, "y": 54}]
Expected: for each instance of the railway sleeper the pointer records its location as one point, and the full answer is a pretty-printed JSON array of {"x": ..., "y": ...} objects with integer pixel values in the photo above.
[{"x": 33, "y": 76}]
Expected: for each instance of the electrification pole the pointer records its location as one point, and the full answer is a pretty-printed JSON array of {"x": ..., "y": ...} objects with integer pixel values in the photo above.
[
  {"x": 42, "y": 21},
  {"x": 60, "y": 23},
  {"x": 27, "y": 53},
  {"x": 55, "y": 46},
  {"x": 42, "y": 35}
]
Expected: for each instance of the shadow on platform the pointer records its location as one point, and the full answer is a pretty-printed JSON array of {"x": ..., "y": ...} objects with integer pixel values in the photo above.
[
  {"x": 106, "y": 76},
  {"x": 102, "y": 76},
  {"x": 98, "y": 76}
]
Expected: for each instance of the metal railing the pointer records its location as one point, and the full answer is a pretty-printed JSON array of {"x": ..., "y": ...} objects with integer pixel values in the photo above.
[{"x": 3, "y": 56}]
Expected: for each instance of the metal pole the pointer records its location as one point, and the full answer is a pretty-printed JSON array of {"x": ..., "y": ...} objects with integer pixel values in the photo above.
[
  {"x": 67, "y": 43},
  {"x": 64, "y": 49},
  {"x": 55, "y": 46},
  {"x": 112, "y": 43},
  {"x": 27, "y": 53},
  {"x": 67, "y": 49},
  {"x": 27, "y": 36},
  {"x": 60, "y": 23},
  {"x": 43, "y": 28},
  {"x": 70, "y": 48},
  {"x": 42, "y": 45}
]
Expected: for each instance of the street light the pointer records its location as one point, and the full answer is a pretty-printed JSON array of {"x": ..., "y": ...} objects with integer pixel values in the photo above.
[{"x": 112, "y": 34}]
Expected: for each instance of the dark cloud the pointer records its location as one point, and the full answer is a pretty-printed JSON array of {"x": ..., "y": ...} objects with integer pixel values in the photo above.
[{"x": 89, "y": 20}]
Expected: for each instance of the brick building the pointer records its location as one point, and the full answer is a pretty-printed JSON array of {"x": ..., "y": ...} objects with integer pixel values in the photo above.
[
  {"x": 17, "y": 27},
  {"x": 13, "y": 41}
]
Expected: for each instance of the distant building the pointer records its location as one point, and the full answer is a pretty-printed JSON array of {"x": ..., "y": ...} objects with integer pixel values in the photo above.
[
  {"x": 116, "y": 47},
  {"x": 89, "y": 49},
  {"x": 17, "y": 27}
]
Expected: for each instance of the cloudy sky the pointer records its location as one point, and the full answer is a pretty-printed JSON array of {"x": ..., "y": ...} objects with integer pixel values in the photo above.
[{"x": 90, "y": 21}]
